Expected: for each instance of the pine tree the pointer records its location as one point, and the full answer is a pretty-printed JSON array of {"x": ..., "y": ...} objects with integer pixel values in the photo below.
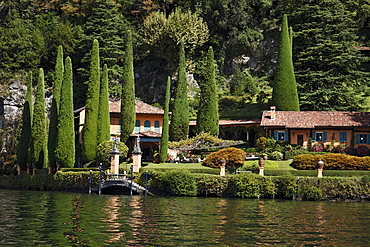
[
  {"x": 285, "y": 95},
  {"x": 104, "y": 113},
  {"x": 106, "y": 24},
  {"x": 207, "y": 118},
  {"x": 128, "y": 111},
  {"x": 25, "y": 137},
  {"x": 54, "y": 110},
  {"x": 39, "y": 136},
  {"x": 180, "y": 113},
  {"x": 327, "y": 63},
  {"x": 65, "y": 149},
  {"x": 164, "y": 138},
  {"x": 90, "y": 141}
]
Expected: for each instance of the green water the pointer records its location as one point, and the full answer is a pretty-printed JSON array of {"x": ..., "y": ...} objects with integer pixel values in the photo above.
[{"x": 30, "y": 218}]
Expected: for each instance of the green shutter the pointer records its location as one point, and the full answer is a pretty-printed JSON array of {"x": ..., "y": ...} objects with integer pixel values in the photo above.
[
  {"x": 324, "y": 136},
  {"x": 275, "y": 135},
  {"x": 313, "y": 136},
  {"x": 286, "y": 136}
]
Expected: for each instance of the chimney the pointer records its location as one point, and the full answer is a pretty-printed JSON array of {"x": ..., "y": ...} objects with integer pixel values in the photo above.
[{"x": 272, "y": 112}]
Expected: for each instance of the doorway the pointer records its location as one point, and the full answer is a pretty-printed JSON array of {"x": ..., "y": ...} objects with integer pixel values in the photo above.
[{"x": 300, "y": 140}]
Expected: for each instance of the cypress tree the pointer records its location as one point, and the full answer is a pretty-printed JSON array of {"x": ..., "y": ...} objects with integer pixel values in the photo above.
[
  {"x": 90, "y": 141},
  {"x": 180, "y": 113},
  {"x": 38, "y": 133},
  {"x": 128, "y": 110},
  {"x": 25, "y": 137},
  {"x": 207, "y": 117},
  {"x": 285, "y": 95},
  {"x": 164, "y": 138},
  {"x": 104, "y": 113},
  {"x": 65, "y": 149},
  {"x": 54, "y": 110}
]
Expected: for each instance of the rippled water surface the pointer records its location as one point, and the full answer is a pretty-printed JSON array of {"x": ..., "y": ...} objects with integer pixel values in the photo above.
[{"x": 30, "y": 218}]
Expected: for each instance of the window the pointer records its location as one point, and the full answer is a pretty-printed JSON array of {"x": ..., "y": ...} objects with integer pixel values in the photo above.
[
  {"x": 281, "y": 136},
  {"x": 319, "y": 136},
  {"x": 362, "y": 138},
  {"x": 146, "y": 125},
  {"x": 343, "y": 136},
  {"x": 137, "y": 126},
  {"x": 156, "y": 126}
]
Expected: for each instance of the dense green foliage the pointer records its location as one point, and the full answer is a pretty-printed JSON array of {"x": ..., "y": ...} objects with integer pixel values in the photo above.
[
  {"x": 332, "y": 161},
  {"x": 23, "y": 147},
  {"x": 165, "y": 34},
  {"x": 234, "y": 157},
  {"x": 54, "y": 109},
  {"x": 180, "y": 111},
  {"x": 165, "y": 125},
  {"x": 327, "y": 63},
  {"x": 103, "y": 153},
  {"x": 104, "y": 111},
  {"x": 39, "y": 133},
  {"x": 65, "y": 149},
  {"x": 128, "y": 111},
  {"x": 90, "y": 141},
  {"x": 207, "y": 117},
  {"x": 285, "y": 95}
]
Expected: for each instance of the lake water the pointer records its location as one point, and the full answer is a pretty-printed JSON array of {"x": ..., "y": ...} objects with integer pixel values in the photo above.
[{"x": 32, "y": 218}]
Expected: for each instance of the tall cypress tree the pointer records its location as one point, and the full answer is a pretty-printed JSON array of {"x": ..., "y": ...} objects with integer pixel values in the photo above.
[
  {"x": 54, "y": 110},
  {"x": 180, "y": 113},
  {"x": 25, "y": 137},
  {"x": 104, "y": 113},
  {"x": 207, "y": 117},
  {"x": 164, "y": 138},
  {"x": 128, "y": 111},
  {"x": 39, "y": 133},
  {"x": 90, "y": 141},
  {"x": 285, "y": 94},
  {"x": 65, "y": 149}
]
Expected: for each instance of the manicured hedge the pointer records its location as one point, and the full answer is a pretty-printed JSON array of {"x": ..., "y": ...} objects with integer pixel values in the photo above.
[
  {"x": 234, "y": 157},
  {"x": 332, "y": 161}
]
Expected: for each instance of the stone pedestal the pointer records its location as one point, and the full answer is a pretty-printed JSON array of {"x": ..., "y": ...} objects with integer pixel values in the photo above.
[
  {"x": 222, "y": 171},
  {"x": 319, "y": 172},
  {"x": 114, "y": 163},
  {"x": 262, "y": 171},
  {"x": 114, "y": 155},
  {"x": 136, "y": 161}
]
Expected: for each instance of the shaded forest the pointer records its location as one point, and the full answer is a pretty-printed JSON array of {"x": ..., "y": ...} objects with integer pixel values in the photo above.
[{"x": 244, "y": 35}]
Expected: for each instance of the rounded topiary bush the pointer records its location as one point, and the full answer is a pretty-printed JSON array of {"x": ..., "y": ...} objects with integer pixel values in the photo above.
[
  {"x": 234, "y": 158},
  {"x": 103, "y": 153}
]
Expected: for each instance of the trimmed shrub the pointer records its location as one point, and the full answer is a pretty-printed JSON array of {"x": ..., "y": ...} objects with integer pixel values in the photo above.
[
  {"x": 312, "y": 194},
  {"x": 249, "y": 185},
  {"x": 287, "y": 186},
  {"x": 254, "y": 166},
  {"x": 362, "y": 150},
  {"x": 178, "y": 183},
  {"x": 208, "y": 185},
  {"x": 333, "y": 161},
  {"x": 234, "y": 157}
]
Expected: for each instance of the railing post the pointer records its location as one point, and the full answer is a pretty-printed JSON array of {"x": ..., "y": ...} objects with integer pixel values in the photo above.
[
  {"x": 132, "y": 178},
  {"x": 146, "y": 183},
  {"x": 100, "y": 177},
  {"x": 90, "y": 182}
]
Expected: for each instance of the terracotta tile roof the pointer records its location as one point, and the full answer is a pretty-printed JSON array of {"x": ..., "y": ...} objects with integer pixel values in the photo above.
[
  {"x": 232, "y": 122},
  {"x": 141, "y": 107},
  {"x": 312, "y": 119},
  {"x": 147, "y": 133}
]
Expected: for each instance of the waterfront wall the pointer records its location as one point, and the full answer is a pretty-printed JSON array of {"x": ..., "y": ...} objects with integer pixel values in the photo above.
[{"x": 184, "y": 183}]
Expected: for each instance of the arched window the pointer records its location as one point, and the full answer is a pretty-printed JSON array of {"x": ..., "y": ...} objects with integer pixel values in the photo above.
[
  {"x": 156, "y": 126},
  {"x": 146, "y": 125},
  {"x": 137, "y": 126}
]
